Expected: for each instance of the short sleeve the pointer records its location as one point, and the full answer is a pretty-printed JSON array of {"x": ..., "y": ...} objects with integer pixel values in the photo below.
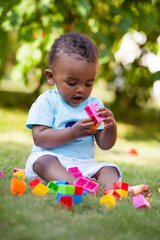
[{"x": 41, "y": 112}]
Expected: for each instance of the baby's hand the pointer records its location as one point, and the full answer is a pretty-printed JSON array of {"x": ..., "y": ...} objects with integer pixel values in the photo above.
[
  {"x": 108, "y": 117},
  {"x": 82, "y": 128}
]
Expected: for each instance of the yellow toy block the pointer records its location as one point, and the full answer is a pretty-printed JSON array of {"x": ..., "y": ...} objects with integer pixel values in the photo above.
[
  {"x": 19, "y": 174},
  {"x": 122, "y": 193},
  {"x": 40, "y": 189},
  {"x": 108, "y": 200}
]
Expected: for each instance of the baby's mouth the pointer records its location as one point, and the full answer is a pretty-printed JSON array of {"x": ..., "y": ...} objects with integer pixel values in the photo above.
[{"x": 77, "y": 98}]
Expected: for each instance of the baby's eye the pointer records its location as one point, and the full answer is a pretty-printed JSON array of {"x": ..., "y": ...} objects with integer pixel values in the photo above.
[
  {"x": 88, "y": 85},
  {"x": 71, "y": 83}
]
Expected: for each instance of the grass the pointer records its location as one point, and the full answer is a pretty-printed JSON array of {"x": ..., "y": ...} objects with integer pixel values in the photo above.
[{"x": 30, "y": 217}]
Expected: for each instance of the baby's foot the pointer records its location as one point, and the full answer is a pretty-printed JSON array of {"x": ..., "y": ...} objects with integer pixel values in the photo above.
[{"x": 143, "y": 189}]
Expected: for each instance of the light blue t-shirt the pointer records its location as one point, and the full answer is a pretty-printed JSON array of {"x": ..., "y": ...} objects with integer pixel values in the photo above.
[{"x": 51, "y": 110}]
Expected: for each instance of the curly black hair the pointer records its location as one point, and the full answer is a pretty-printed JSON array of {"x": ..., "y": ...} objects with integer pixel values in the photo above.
[{"x": 73, "y": 43}]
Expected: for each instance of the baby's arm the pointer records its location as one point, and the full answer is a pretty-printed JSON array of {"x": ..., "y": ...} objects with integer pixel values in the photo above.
[
  {"x": 106, "y": 138},
  {"x": 46, "y": 137}
]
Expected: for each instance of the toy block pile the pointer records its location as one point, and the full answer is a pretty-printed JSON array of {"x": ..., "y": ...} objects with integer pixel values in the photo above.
[
  {"x": 120, "y": 190},
  {"x": 67, "y": 195},
  {"x": 17, "y": 185},
  {"x": 91, "y": 111}
]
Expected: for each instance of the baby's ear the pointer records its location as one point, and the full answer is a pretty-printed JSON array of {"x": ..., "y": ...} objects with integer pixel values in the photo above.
[{"x": 50, "y": 76}]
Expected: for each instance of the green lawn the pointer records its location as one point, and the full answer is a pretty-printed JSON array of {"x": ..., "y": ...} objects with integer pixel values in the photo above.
[{"x": 29, "y": 217}]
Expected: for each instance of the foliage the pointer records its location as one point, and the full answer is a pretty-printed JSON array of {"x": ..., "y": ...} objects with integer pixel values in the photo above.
[{"x": 28, "y": 28}]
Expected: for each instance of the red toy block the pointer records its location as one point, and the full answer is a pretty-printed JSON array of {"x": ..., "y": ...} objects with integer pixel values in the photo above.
[
  {"x": 140, "y": 202},
  {"x": 17, "y": 186},
  {"x": 2, "y": 175},
  {"x": 92, "y": 113},
  {"x": 111, "y": 191},
  {"x": 78, "y": 190},
  {"x": 133, "y": 152},
  {"x": 75, "y": 172},
  {"x": 66, "y": 201},
  {"x": 120, "y": 185},
  {"x": 34, "y": 182}
]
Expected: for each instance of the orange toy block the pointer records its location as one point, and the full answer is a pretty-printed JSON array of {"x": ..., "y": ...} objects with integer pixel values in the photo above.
[
  {"x": 96, "y": 126},
  {"x": 40, "y": 189},
  {"x": 17, "y": 186},
  {"x": 19, "y": 174},
  {"x": 122, "y": 193},
  {"x": 108, "y": 200}
]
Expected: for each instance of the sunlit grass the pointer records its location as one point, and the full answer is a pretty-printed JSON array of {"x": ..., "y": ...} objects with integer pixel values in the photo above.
[{"x": 30, "y": 217}]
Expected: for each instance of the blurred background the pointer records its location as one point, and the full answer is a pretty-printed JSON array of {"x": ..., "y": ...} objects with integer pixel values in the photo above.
[{"x": 127, "y": 34}]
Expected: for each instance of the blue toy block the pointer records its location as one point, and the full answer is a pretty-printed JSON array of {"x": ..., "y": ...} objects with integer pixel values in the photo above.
[
  {"x": 61, "y": 182},
  {"x": 76, "y": 198}
]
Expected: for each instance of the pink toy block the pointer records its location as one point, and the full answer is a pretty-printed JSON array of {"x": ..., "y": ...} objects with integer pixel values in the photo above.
[
  {"x": 17, "y": 170},
  {"x": 120, "y": 185},
  {"x": 66, "y": 201},
  {"x": 140, "y": 202},
  {"x": 88, "y": 185},
  {"x": 2, "y": 175},
  {"x": 92, "y": 113},
  {"x": 75, "y": 172},
  {"x": 34, "y": 182}
]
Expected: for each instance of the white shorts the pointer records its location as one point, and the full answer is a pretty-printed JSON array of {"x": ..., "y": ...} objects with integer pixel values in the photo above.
[{"x": 88, "y": 167}]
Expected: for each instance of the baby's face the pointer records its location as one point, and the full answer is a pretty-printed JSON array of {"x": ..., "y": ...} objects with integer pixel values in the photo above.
[{"x": 74, "y": 78}]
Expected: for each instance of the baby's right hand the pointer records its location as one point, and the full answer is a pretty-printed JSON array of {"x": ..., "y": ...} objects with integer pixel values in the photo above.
[{"x": 82, "y": 128}]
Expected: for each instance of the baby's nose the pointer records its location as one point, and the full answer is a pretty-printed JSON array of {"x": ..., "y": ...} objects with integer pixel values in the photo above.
[{"x": 80, "y": 89}]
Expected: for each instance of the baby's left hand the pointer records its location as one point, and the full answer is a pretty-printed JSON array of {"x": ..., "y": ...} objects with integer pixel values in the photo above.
[{"x": 108, "y": 117}]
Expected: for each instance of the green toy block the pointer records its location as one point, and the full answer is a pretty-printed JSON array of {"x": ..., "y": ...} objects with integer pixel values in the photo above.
[
  {"x": 66, "y": 189},
  {"x": 53, "y": 187}
]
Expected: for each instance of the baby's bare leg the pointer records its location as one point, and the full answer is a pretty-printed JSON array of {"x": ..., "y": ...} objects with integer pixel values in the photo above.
[
  {"x": 106, "y": 176},
  {"x": 48, "y": 168}
]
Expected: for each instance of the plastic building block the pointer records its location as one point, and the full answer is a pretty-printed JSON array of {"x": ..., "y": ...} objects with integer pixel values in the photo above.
[
  {"x": 122, "y": 193},
  {"x": 66, "y": 201},
  {"x": 40, "y": 189},
  {"x": 75, "y": 172},
  {"x": 34, "y": 182},
  {"x": 108, "y": 200},
  {"x": 17, "y": 169},
  {"x": 66, "y": 189},
  {"x": 140, "y": 202},
  {"x": 17, "y": 186},
  {"x": 19, "y": 174},
  {"x": 61, "y": 182},
  {"x": 78, "y": 190},
  {"x": 81, "y": 182},
  {"x": 133, "y": 152},
  {"x": 2, "y": 175},
  {"x": 92, "y": 113},
  {"x": 92, "y": 187},
  {"x": 76, "y": 198},
  {"x": 88, "y": 185},
  {"x": 120, "y": 185},
  {"x": 53, "y": 187},
  {"x": 113, "y": 192}
]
